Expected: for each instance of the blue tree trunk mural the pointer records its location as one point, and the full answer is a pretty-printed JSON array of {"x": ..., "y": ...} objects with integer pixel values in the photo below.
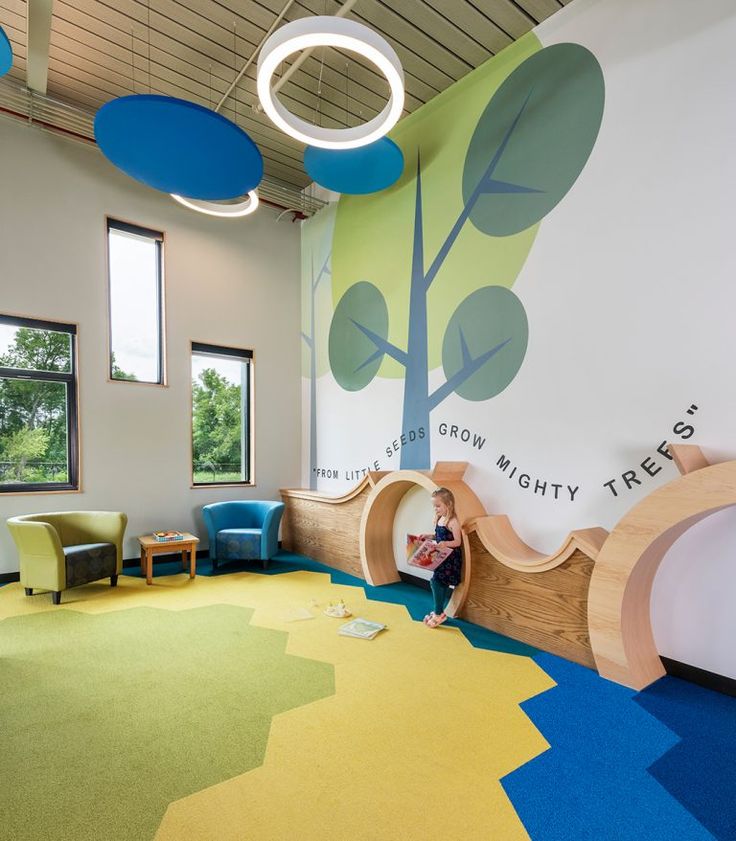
[
  {"x": 538, "y": 128},
  {"x": 310, "y": 341}
]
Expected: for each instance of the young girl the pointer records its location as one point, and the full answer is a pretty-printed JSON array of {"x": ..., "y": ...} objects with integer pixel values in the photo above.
[{"x": 446, "y": 533}]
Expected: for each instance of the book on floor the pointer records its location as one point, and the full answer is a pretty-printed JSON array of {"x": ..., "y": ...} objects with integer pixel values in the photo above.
[
  {"x": 424, "y": 552},
  {"x": 361, "y": 629}
]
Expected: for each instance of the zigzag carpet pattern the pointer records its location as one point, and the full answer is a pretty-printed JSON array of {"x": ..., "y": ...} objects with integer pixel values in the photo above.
[{"x": 212, "y": 715}]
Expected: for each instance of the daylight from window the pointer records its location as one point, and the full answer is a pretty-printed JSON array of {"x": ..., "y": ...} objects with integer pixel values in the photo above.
[
  {"x": 34, "y": 422},
  {"x": 220, "y": 440},
  {"x": 134, "y": 307}
]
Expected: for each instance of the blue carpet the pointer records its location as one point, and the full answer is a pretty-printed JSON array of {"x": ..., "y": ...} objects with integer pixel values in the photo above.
[
  {"x": 700, "y": 771},
  {"x": 593, "y": 782}
]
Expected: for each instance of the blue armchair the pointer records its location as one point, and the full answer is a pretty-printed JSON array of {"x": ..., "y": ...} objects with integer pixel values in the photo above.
[{"x": 243, "y": 530}]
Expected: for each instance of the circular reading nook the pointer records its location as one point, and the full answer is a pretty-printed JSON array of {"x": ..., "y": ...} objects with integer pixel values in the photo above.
[{"x": 376, "y": 523}]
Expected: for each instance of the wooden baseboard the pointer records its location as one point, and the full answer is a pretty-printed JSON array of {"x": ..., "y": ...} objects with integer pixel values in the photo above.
[
  {"x": 9, "y": 577},
  {"x": 701, "y": 677}
]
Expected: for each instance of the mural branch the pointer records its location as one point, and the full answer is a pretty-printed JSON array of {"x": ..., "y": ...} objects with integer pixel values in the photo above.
[
  {"x": 528, "y": 148},
  {"x": 311, "y": 340}
]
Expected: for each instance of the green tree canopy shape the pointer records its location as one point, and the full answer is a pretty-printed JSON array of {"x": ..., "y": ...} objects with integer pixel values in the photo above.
[
  {"x": 554, "y": 100},
  {"x": 491, "y": 316},
  {"x": 515, "y": 160},
  {"x": 360, "y": 320}
]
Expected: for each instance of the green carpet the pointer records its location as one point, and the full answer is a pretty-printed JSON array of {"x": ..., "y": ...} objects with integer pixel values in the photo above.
[{"x": 109, "y": 718}]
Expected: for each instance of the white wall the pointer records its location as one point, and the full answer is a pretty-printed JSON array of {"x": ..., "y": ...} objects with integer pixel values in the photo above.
[
  {"x": 629, "y": 291},
  {"x": 227, "y": 282}
]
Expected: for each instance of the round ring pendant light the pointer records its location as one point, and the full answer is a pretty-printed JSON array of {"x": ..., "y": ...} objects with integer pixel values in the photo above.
[
  {"x": 327, "y": 31},
  {"x": 225, "y": 210}
]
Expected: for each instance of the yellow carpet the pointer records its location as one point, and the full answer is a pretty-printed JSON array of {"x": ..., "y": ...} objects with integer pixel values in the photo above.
[{"x": 412, "y": 745}]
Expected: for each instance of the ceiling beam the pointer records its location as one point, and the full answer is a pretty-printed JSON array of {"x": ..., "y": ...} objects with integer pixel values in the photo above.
[{"x": 39, "y": 39}]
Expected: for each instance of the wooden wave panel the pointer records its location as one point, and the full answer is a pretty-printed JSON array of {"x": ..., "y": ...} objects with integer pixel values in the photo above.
[
  {"x": 327, "y": 528},
  {"x": 546, "y": 609}
]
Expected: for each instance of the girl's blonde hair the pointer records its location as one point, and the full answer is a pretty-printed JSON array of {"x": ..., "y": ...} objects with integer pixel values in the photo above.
[{"x": 448, "y": 498}]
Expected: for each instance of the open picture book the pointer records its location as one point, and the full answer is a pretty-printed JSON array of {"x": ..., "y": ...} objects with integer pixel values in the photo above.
[
  {"x": 424, "y": 552},
  {"x": 361, "y": 628}
]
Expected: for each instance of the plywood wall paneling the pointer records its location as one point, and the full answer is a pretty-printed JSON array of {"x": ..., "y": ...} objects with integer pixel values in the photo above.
[
  {"x": 328, "y": 533},
  {"x": 547, "y": 610}
]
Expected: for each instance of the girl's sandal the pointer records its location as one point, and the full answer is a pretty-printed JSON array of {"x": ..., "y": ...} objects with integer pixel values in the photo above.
[{"x": 436, "y": 620}]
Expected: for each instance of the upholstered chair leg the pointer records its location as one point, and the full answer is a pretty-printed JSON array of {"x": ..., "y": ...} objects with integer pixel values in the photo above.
[
  {"x": 114, "y": 580},
  {"x": 29, "y": 591},
  {"x": 56, "y": 596},
  {"x": 214, "y": 565},
  {"x": 264, "y": 563}
]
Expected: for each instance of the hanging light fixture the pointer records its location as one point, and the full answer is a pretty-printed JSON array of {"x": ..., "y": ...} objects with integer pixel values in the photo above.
[
  {"x": 178, "y": 146},
  {"x": 327, "y": 31},
  {"x": 242, "y": 205},
  {"x": 225, "y": 210}
]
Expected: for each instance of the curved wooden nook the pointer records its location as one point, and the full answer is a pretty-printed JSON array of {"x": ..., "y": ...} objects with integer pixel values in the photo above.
[
  {"x": 377, "y": 522},
  {"x": 620, "y": 589}
]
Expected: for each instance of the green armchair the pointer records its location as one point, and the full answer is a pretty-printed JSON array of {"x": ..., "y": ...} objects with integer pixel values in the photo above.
[{"x": 68, "y": 548}]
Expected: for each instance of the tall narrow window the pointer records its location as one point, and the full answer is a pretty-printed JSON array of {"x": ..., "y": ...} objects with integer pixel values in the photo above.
[
  {"x": 39, "y": 449},
  {"x": 222, "y": 415},
  {"x": 136, "y": 303}
]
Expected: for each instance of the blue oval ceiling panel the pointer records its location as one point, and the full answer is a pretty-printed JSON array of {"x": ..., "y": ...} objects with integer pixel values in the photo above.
[
  {"x": 366, "y": 169},
  {"x": 6, "y": 53},
  {"x": 178, "y": 147}
]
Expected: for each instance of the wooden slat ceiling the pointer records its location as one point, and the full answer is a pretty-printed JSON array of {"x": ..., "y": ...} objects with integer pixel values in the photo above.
[{"x": 101, "y": 49}]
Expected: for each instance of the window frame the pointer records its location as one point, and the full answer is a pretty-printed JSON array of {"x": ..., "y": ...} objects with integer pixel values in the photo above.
[
  {"x": 247, "y": 355},
  {"x": 112, "y": 223},
  {"x": 71, "y": 380}
]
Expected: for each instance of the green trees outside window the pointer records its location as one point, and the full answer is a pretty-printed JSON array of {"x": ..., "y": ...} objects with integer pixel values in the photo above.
[
  {"x": 38, "y": 412},
  {"x": 221, "y": 415}
]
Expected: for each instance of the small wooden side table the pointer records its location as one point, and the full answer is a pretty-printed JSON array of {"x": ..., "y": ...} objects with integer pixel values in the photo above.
[{"x": 150, "y": 547}]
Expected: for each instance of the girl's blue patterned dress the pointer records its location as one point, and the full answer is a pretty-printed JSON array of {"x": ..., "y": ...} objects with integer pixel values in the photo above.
[{"x": 448, "y": 572}]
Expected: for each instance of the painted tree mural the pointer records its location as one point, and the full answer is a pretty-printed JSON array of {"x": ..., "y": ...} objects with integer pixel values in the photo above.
[
  {"x": 526, "y": 150},
  {"x": 316, "y": 311}
]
